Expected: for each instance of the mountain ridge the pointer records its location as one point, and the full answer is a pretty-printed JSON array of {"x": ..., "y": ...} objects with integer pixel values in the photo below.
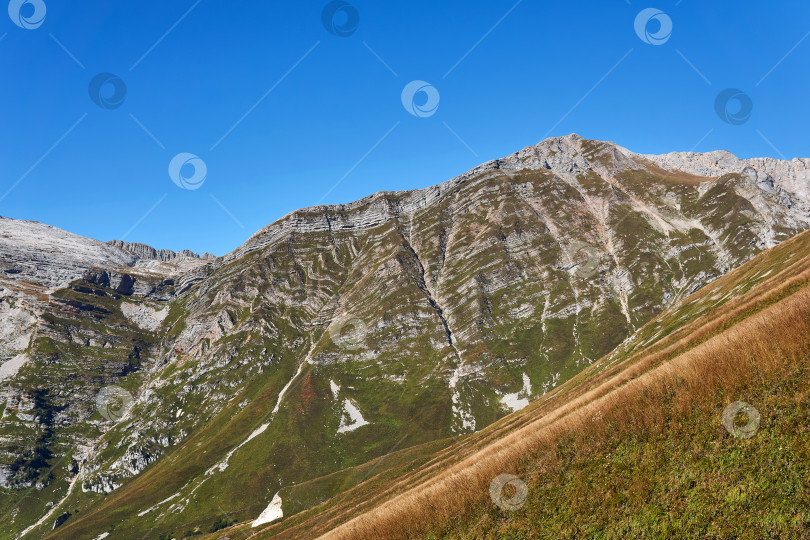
[
  {"x": 703, "y": 164},
  {"x": 570, "y": 147},
  {"x": 339, "y": 334},
  {"x": 146, "y": 252}
]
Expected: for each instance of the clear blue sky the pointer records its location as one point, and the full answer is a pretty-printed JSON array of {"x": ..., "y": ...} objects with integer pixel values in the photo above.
[{"x": 339, "y": 109}]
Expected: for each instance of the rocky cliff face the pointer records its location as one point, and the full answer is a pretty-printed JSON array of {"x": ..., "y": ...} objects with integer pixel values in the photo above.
[
  {"x": 148, "y": 253},
  {"x": 51, "y": 257},
  {"x": 38, "y": 261},
  {"x": 566, "y": 157},
  {"x": 343, "y": 333}
]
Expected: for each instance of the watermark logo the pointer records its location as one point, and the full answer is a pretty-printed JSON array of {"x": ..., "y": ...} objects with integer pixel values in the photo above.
[
  {"x": 750, "y": 428},
  {"x": 653, "y": 19},
  {"x": 508, "y": 492},
  {"x": 107, "y": 91},
  {"x": 188, "y": 171},
  {"x": 113, "y": 402},
  {"x": 340, "y": 18},
  {"x": 421, "y": 99},
  {"x": 28, "y": 14},
  {"x": 724, "y": 106},
  {"x": 348, "y": 332},
  {"x": 586, "y": 259}
]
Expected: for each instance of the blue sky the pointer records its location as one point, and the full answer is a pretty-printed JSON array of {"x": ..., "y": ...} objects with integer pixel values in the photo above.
[{"x": 284, "y": 113}]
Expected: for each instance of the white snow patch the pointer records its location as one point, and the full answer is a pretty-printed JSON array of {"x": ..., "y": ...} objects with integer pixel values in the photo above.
[
  {"x": 141, "y": 514},
  {"x": 519, "y": 399},
  {"x": 355, "y": 416},
  {"x": 335, "y": 388},
  {"x": 271, "y": 513},
  {"x": 256, "y": 432},
  {"x": 102, "y": 536}
]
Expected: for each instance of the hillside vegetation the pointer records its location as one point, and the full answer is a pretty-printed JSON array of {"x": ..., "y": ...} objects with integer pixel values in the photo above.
[
  {"x": 635, "y": 445},
  {"x": 346, "y": 355}
]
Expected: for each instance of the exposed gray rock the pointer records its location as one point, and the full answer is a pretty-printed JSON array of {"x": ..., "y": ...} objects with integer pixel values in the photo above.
[
  {"x": 566, "y": 157},
  {"x": 52, "y": 257},
  {"x": 142, "y": 251},
  {"x": 483, "y": 291}
]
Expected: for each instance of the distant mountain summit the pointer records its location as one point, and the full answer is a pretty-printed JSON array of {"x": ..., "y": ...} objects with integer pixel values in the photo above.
[
  {"x": 567, "y": 157},
  {"x": 142, "y": 251},
  {"x": 342, "y": 333}
]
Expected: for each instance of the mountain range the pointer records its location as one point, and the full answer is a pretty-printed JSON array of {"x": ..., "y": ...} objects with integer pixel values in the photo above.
[{"x": 343, "y": 343}]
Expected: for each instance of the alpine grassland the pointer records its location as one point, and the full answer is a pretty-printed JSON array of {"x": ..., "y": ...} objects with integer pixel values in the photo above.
[{"x": 635, "y": 446}]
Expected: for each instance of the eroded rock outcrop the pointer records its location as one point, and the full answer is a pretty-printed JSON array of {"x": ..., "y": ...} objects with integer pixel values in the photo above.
[{"x": 144, "y": 252}]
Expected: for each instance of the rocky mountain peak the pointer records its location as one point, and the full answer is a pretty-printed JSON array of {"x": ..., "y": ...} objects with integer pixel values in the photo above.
[
  {"x": 567, "y": 157},
  {"x": 145, "y": 252},
  {"x": 352, "y": 327}
]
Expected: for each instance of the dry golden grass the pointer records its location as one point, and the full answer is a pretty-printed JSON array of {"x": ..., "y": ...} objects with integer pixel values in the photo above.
[
  {"x": 762, "y": 345},
  {"x": 756, "y": 334}
]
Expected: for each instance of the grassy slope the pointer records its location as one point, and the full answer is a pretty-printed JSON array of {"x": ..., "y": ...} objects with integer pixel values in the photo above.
[
  {"x": 275, "y": 458},
  {"x": 634, "y": 445}
]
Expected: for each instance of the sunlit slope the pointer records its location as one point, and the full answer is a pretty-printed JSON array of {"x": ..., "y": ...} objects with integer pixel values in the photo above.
[
  {"x": 635, "y": 444},
  {"x": 341, "y": 334}
]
